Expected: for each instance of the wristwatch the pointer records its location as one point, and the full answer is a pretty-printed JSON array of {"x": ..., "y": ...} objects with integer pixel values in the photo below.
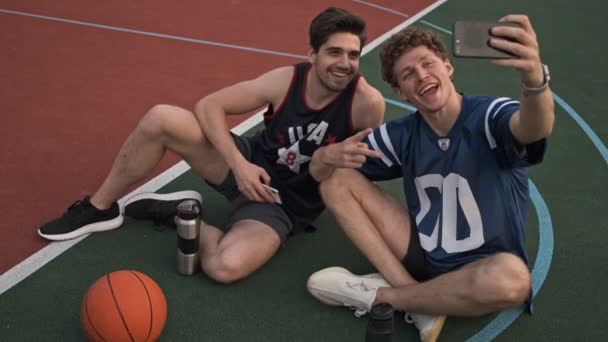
[{"x": 527, "y": 91}]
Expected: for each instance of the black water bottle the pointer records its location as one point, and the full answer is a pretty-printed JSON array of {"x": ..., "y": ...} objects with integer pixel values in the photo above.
[
  {"x": 188, "y": 224},
  {"x": 380, "y": 324}
]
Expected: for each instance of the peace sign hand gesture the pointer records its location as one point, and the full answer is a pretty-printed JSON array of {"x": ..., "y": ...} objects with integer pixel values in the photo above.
[{"x": 350, "y": 153}]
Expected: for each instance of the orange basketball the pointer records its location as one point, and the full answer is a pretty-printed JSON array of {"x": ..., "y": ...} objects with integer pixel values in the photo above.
[{"x": 124, "y": 305}]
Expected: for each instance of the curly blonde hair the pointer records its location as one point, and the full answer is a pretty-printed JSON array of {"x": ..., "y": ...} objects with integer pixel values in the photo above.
[{"x": 404, "y": 41}]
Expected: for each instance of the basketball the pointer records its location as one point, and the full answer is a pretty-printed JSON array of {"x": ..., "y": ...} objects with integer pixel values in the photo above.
[{"x": 124, "y": 305}]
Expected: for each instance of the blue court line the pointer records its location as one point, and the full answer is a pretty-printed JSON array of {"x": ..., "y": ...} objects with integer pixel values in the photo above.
[
  {"x": 599, "y": 145},
  {"x": 153, "y": 34},
  {"x": 539, "y": 271},
  {"x": 541, "y": 264},
  {"x": 400, "y": 104}
]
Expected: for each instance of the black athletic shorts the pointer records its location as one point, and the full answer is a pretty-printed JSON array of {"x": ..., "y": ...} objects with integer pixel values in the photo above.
[
  {"x": 242, "y": 208},
  {"x": 415, "y": 260}
]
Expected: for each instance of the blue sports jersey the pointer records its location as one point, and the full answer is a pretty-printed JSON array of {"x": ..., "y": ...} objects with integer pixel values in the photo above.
[{"x": 467, "y": 191}]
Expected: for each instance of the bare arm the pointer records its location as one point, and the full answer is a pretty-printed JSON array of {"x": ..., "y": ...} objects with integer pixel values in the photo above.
[
  {"x": 241, "y": 98},
  {"x": 535, "y": 118},
  {"x": 368, "y": 113}
]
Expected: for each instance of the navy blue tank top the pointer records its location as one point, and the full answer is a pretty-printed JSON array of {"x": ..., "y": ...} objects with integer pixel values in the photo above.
[{"x": 293, "y": 132}]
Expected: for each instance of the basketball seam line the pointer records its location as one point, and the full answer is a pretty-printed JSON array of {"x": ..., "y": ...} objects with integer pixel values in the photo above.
[
  {"x": 86, "y": 307},
  {"x": 118, "y": 308},
  {"x": 149, "y": 302}
]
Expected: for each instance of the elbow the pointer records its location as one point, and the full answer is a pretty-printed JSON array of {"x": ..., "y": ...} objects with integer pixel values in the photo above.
[
  {"x": 203, "y": 109},
  {"x": 200, "y": 108},
  {"x": 548, "y": 129}
]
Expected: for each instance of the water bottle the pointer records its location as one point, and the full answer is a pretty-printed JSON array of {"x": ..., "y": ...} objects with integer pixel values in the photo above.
[
  {"x": 380, "y": 324},
  {"x": 188, "y": 224}
]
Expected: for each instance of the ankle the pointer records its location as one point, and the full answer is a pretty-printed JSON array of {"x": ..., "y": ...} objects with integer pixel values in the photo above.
[{"x": 98, "y": 204}]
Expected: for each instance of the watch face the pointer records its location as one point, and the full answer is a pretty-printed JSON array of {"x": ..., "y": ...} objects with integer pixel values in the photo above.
[{"x": 546, "y": 73}]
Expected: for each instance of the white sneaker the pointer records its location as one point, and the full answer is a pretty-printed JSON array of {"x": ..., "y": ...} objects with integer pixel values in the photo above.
[
  {"x": 338, "y": 287},
  {"x": 429, "y": 326}
]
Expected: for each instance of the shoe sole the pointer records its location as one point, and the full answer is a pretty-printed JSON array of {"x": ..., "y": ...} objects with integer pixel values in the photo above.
[
  {"x": 174, "y": 196},
  {"x": 88, "y": 229},
  {"x": 434, "y": 332}
]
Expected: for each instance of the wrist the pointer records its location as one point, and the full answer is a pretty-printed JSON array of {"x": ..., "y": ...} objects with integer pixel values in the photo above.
[
  {"x": 235, "y": 160},
  {"x": 537, "y": 84}
]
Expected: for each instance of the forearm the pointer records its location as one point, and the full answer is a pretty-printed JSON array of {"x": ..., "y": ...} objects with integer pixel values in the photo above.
[
  {"x": 536, "y": 117},
  {"x": 212, "y": 120}
]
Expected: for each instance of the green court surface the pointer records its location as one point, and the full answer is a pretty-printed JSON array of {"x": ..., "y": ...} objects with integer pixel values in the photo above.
[{"x": 273, "y": 304}]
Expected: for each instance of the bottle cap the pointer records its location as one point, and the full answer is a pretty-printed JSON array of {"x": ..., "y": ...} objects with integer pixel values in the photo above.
[
  {"x": 382, "y": 311},
  {"x": 188, "y": 209}
]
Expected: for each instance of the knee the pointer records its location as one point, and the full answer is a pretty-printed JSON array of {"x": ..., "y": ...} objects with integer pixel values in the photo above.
[
  {"x": 507, "y": 281},
  {"x": 154, "y": 123},
  {"x": 337, "y": 184},
  {"x": 223, "y": 269}
]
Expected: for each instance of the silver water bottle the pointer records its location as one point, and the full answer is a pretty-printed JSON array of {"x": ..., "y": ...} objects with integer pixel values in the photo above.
[{"x": 188, "y": 224}]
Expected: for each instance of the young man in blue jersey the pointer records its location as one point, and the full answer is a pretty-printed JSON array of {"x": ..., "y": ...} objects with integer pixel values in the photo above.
[
  {"x": 315, "y": 105},
  {"x": 458, "y": 249}
]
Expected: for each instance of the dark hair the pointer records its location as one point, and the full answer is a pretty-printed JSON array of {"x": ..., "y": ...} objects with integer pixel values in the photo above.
[
  {"x": 406, "y": 40},
  {"x": 334, "y": 20}
]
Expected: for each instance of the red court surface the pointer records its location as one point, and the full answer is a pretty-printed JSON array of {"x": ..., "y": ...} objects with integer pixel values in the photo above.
[{"x": 71, "y": 93}]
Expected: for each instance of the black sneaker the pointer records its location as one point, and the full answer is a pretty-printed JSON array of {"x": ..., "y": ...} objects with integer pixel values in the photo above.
[
  {"x": 160, "y": 208},
  {"x": 81, "y": 218}
]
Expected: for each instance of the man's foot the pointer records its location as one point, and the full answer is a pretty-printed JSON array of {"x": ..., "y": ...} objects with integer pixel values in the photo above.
[
  {"x": 429, "y": 326},
  {"x": 339, "y": 287},
  {"x": 81, "y": 218},
  {"x": 160, "y": 208}
]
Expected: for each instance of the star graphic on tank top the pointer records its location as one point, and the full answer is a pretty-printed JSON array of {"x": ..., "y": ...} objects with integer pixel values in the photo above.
[{"x": 292, "y": 158}]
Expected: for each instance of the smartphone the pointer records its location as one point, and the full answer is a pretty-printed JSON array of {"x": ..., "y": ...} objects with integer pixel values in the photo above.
[
  {"x": 274, "y": 192},
  {"x": 472, "y": 39}
]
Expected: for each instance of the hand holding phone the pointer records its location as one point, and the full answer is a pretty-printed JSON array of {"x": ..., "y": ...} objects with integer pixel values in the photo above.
[
  {"x": 472, "y": 39},
  {"x": 274, "y": 192}
]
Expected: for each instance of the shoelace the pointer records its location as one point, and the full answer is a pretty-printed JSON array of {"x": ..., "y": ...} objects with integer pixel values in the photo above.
[
  {"x": 77, "y": 206},
  {"x": 358, "y": 286}
]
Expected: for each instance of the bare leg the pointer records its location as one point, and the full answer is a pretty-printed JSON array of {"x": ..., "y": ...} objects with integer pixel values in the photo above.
[
  {"x": 494, "y": 283},
  {"x": 225, "y": 257},
  {"x": 234, "y": 255},
  {"x": 380, "y": 228},
  {"x": 163, "y": 127},
  {"x": 376, "y": 223}
]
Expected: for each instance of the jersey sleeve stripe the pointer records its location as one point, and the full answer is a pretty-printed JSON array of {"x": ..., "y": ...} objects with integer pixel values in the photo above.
[
  {"x": 387, "y": 142},
  {"x": 375, "y": 146},
  {"x": 502, "y": 105},
  {"x": 491, "y": 140}
]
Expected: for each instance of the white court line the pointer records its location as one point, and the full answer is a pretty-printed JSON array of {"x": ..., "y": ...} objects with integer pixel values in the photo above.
[
  {"x": 386, "y": 9},
  {"x": 153, "y": 34},
  {"x": 30, "y": 265}
]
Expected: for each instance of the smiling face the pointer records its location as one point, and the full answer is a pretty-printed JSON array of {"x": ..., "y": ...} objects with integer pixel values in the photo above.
[
  {"x": 424, "y": 79},
  {"x": 337, "y": 61}
]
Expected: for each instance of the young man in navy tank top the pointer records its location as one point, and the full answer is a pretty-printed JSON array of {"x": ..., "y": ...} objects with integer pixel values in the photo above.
[{"x": 313, "y": 106}]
